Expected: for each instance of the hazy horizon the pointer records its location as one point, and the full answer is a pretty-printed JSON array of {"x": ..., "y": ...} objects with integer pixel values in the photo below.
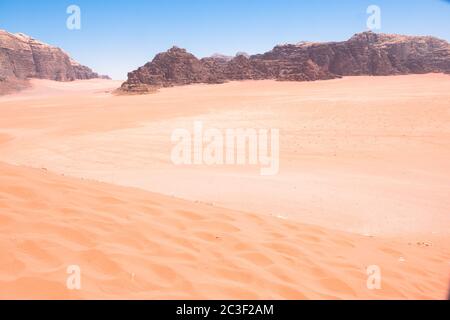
[{"x": 116, "y": 38}]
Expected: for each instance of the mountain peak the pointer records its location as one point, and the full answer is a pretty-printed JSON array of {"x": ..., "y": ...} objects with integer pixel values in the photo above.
[{"x": 176, "y": 49}]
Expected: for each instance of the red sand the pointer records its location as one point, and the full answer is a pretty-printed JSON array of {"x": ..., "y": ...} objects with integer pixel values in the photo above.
[{"x": 359, "y": 156}]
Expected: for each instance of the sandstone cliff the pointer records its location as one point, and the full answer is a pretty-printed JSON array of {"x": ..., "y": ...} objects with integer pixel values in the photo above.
[
  {"x": 22, "y": 57},
  {"x": 365, "y": 53}
]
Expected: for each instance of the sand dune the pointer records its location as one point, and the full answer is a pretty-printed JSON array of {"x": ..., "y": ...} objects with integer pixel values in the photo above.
[
  {"x": 345, "y": 144},
  {"x": 134, "y": 244},
  {"x": 365, "y": 166}
]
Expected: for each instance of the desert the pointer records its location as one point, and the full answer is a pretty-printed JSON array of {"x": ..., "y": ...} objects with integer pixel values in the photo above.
[{"x": 87, "y": 179}]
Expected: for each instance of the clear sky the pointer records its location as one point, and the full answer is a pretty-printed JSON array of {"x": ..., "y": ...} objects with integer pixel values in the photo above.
[{"x": 118, "y": 36}]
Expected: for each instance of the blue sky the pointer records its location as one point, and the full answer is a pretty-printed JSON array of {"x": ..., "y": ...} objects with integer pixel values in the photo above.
[{"x": 118, "y": 36}]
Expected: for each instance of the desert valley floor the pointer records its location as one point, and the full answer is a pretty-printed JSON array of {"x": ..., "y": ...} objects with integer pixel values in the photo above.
[{"x": 86, "y": 179}]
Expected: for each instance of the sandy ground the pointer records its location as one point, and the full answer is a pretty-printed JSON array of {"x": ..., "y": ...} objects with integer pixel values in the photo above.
[
  {"x": 12, "y": 86},
  {"x": 364, "y": 180},
  {"x": 133, "y": 244}
]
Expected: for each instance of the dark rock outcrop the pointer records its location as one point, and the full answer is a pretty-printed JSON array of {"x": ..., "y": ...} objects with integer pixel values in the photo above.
[
  {"x": 22, "y": 57},
  {"x": 365, "y": 53}
]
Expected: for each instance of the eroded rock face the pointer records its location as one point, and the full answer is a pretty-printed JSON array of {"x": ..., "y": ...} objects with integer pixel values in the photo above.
[
  {"x": 22, "y": 57},
  {"x": 375, "y": 54},
  {"x": 174, "y": 67},
  {"x": 365, "y": 53}
]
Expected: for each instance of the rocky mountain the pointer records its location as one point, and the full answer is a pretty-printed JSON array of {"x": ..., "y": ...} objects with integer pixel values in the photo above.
[
  {"x": 22, "y": 57},
  {"x": 365, "y": 53}
]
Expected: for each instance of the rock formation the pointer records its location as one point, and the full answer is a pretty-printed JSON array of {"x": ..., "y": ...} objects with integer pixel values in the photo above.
[
  {"x": 365, "y": 53},
  {"x": 22, "y": 57}
]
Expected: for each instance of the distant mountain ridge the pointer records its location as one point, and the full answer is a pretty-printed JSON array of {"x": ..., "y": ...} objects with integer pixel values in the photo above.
[
  {"x": 22, "y": 57},
  {"x": 365, "y": 53}
]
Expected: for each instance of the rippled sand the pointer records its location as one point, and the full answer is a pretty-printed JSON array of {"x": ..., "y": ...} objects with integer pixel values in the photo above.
[{"x": 364, "y": 172}]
